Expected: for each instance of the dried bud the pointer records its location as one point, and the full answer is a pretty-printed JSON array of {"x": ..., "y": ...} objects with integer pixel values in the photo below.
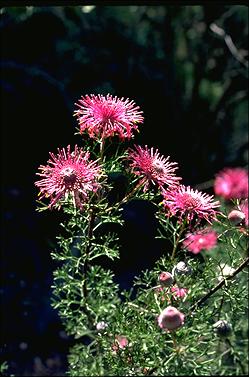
[
  {"x": 170, "y": 319},
  {"x": 166, "y": 279},
  {"x": 222, "y": 328},
  {"x": 236, "y": 217},
  {"x": 181, "y": 269},
  {"x": 100, "y": 326}
]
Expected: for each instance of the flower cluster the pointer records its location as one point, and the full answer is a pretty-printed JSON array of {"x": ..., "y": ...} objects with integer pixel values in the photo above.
[{"x": 77, "y": 179}]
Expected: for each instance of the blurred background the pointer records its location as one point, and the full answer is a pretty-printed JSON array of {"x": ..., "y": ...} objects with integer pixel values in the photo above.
[{"x": 185, "y": 66}]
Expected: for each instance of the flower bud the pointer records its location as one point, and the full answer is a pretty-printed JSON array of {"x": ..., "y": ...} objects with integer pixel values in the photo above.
[
  {"x": 170, "y": 319},
  {"x": 236, "y": 217},
  {"x": 100, "y": 326},
  {"x": 222, "y": 328},
  {"x": 179, "y": 292},
  {"x": 181, "y": 269},
  {"x": 166, "y": 279},
  {"x": 120, "y": 343},
  {"x": 225, "y": 271}
]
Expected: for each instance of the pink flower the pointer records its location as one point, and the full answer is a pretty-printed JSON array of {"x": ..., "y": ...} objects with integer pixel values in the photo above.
[
  {"x": 165, "y": 279},
  {"x": 107, "y": 116},
  {"x": 232, "y": 183},
  {"x": 170, "y": 319},
  {"x": 152, "y": 166},
  {"x": 183, "y": 201},
  {"x": 69, "y": 172},
  {"x": 179, "y": 292},
  {"x": 200, "y": 240}
]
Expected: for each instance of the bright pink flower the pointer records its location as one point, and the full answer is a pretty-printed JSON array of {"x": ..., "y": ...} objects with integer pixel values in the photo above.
[
  {"x": 69, "y": 172},
  {"x": 232, "y": 183},
  {"x": 152, "y": 166},
  {"x": 170, "y": 319},
  {"x": 179, "y": 292},
  {"x": 200, "y": 240},
  {"x": 244, "y": 208},
  {"x": 185, "y": 202},
  {"x": 107, "y": 116}
]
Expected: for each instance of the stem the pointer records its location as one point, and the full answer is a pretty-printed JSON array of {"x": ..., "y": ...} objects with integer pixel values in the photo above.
[
  {"x": 236, "y": 356},
  {"x": 218, "y": 286},
  {"x": 101, "y": 150},
  {"x": 140, "y": 183},
  {"x": 89, "y": 236},
  {"x": 177, "y": 242}
]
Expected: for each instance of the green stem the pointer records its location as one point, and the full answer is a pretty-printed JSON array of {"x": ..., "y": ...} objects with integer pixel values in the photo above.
[
  {"x": 177, "y": 242},
  {"x": 89, "y": 238},
  {"x": 140, "y": 183},
  {"x": 101, "y": 150}
]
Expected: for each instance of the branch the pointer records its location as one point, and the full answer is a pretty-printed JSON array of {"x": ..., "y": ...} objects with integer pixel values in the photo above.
[
  {"x": 229, "y": 42},
  {"x": 218, "y": 286}
]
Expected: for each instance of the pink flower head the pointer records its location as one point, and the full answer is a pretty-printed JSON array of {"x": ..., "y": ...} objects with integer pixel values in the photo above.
[
  {"x": 200, "y": 240},
  {"x": 170, "y": 319},
  {"x": 152, "y": 166},
  {"x": 69, "y": 172},
  {"x": 232, "y": 183},
  {"x": 103, "y": 117},
  {"x": 179, "y": 292},
  {"x": 166, "y": 279},
  {"x": 183, "y": 201}
]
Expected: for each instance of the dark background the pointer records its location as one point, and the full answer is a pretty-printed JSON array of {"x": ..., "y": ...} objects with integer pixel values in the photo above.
[{"x": 192, "y": 85}]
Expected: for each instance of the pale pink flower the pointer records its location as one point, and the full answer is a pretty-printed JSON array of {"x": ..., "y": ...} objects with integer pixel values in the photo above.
[
  {"x": 69, "y": 172},
  {"x": 232, "y": 183},
  {"x": 184, "y": 202},
  {"x": 152, "y": 166},
  {"x": 179, "y": 292},
  {"x": 170, "y": 319},
  {"x": 204, "y": 239},
  {"x": 102, "y": 117}
]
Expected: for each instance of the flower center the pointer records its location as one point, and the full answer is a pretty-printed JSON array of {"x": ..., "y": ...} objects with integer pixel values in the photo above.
[
  {"x": 69, "y": 176},
  {"x": 189, "y": 202},
  {"x": 107, "y": 114},
  {"x": 157, "y": 167}
]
